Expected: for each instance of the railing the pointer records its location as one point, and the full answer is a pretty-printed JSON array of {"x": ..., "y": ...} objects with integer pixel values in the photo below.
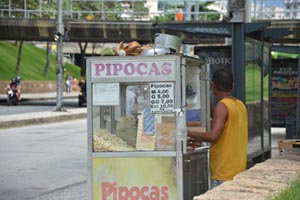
[
  {"x": 161, "y": 10},
  {"x": 291, "y": 1},
  {"x": 70, "y": 10},
  {"x": 83, "y": 14}
]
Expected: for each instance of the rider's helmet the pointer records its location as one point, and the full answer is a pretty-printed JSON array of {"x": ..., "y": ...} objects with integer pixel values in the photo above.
[{"x": 18, "y": 80}]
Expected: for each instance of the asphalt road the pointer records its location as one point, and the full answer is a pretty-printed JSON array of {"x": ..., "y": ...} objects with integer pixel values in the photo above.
[
  {"x": 30, "y": 106},
  {"x": 42, "y": 158}
]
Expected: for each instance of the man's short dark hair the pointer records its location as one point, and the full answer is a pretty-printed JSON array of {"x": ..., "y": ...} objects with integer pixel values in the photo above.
[{"x": 223, "y": 80}]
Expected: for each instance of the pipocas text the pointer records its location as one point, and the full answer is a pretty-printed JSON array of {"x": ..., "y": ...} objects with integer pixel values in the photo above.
[
  {"x": 110, "y": 190},
  {"x": 133, "y": 69}
]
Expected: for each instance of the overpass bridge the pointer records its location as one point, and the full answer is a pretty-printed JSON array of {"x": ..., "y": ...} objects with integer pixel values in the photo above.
[{"x": 278, "y": 31}]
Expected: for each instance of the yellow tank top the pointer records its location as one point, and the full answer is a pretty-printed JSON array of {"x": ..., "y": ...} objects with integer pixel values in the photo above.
[{"x": 228, "y": 155}]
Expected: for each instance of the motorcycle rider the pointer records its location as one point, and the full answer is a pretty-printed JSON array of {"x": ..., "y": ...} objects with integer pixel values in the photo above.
[
  {"x": 18, "y": 83},
  {"x": 18, "y": 80},
  {"x": 14, "y": 86}
]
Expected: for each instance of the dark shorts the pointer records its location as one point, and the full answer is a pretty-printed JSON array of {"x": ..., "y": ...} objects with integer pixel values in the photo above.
[{"x": 215, "y": 183}]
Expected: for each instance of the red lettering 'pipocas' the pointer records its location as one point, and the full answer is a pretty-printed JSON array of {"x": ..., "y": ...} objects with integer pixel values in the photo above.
[{"x": 115, "y": 192}]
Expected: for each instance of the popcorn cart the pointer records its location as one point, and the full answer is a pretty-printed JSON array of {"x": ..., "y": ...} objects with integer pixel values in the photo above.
[{"x": 139, "y": 111}]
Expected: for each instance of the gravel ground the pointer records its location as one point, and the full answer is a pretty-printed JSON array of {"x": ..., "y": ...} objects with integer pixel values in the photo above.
[{"x": 77, "y": 191}]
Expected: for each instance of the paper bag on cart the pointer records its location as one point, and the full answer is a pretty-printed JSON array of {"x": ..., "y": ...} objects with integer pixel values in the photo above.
[
  {"x": 144, "y": 142},
  {"x": 165, "y": 139}
]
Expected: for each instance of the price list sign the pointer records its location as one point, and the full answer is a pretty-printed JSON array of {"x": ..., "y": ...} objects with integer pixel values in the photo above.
[{"x": 161, "y": 97}]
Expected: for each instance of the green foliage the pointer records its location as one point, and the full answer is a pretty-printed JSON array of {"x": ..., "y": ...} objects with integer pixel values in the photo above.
[
  {"x": 168, "y": 6},
  {"x": 112, "y": 9},
  {"x": 165, "y": 17},
  {"x": 203, "y": 8},
  {"x": 253, "y": 83},
  {"x": 32, "y": 63},
  {"x": 290, "y": 193},
  {"x": 165, "y": 6},
  {"x": 140, "y": 7}
]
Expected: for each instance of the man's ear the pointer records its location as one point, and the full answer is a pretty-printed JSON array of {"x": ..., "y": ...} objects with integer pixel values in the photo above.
[{"x": 212, "y": 85}]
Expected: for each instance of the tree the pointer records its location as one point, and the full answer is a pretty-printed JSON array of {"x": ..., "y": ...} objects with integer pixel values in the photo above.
[
  {"x": 48, "y": 53},
  {"x": 19, "y": 57},
  {"x": 163, "y": 6},
  {"x": 36, "y": 7},
  {"x": 82, "y": 61},
  {"x": 204, "y": 8},
  {"x": 100, "y": 9}
]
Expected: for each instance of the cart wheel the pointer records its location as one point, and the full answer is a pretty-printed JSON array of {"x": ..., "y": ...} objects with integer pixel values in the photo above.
[{"x": 8, "y": 102}]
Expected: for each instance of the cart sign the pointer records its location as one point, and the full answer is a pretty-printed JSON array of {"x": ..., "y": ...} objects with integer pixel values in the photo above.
[
  {"x": 144, "y": 68},
  {"x": 106, "y": 94},
  {"x": 136, "y": 178},
  {"x": 161, "y": 97}
]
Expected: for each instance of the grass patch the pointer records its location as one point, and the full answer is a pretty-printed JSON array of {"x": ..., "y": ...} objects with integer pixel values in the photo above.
[
  {"x": 253, "y": 83},
  {"x": 32, "y": 63},
  {"x": 292, "y": 192}
]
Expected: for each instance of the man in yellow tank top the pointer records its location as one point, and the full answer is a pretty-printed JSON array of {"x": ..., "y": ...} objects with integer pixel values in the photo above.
[{"x": 229, "y": 132}]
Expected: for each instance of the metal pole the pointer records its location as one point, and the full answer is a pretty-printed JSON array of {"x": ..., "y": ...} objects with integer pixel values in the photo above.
[
  {"x": 25, "y": 8},
  {"x": 9, "y": 8},
  {"x": 248, "y": 11},
  {"x": 298, "y": 99},
  {"x": 196, "y": 14},
  {"x": 40, "y": 8},
  {"x": 238, "y": 59},
  {"x": 59, "y": 65},
  {"x": 254, "y": 9},
  {"x": 71, "y": 9},
  {"x": 187, "y": 17}
]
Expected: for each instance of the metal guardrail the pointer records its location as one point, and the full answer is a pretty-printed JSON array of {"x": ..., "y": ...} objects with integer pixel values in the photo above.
[
  {"x": 258, "y": 10},
  {"x": 70, "y": 12},
  {"x": 84, "y": 14}
]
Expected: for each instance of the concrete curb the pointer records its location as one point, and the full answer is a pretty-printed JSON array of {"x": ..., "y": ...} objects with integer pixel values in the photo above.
[
  {"x": 19, "y": 120},
  {"x": 42, "y": 96},
  {"x": 263, "y": 181}
]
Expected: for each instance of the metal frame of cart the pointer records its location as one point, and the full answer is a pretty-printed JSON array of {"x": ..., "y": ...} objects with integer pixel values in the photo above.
[{"x": 175, "y": 172}]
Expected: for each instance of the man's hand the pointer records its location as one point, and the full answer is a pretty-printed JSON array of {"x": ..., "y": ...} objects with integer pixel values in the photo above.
[{"x": 193, "y": 140}]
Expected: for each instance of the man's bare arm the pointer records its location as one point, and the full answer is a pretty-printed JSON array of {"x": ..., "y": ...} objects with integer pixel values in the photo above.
[{"x": 218, "y": 123}]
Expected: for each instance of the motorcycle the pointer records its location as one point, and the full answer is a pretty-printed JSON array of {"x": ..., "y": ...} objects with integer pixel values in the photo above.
[
  {"x": 82, "y": 93},
  {"x": 12, "y": 96},
  {"x": 82, "y": 97}
]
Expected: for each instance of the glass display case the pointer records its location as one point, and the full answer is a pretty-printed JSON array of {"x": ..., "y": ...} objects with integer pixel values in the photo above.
[
  {"x": 257, "y": 63},
  {"x": 139, "y": 111}
]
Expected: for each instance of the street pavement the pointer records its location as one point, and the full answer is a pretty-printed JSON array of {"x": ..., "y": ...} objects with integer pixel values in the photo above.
[
  {"x": 76, "y": 191},
  {"x": 7, "y": 121}
]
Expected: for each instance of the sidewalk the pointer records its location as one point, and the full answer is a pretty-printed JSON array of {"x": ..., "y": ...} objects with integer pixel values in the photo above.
[{"x": 41, "y": 117}]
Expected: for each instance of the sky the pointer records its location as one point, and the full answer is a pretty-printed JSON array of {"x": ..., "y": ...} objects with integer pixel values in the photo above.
[{"x": 270, "y": 2}]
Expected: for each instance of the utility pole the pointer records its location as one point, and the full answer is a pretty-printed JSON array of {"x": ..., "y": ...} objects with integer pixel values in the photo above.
[
  {"x": 187, "y": 17},
  {"x": 59, "y": 58}
]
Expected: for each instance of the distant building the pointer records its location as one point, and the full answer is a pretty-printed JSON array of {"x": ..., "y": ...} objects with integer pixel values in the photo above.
[
  {"x": 153, "y": 8},
  {"x": 292, "y": 9},
  {"x": 268, "y": 12}
]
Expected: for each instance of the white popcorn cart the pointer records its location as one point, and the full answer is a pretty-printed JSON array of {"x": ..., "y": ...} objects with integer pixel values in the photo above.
[{"x": 139, "y": 110}]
